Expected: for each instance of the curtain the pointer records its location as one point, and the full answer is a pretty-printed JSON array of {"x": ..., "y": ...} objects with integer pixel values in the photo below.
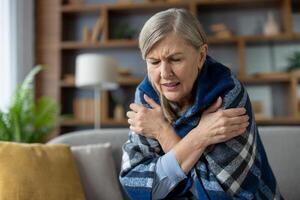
[{"x": 16, "y": 45}]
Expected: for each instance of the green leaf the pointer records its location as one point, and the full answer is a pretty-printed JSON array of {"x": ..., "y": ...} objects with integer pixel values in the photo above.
[
  {"x": 4, "y": 130},
  {"x": 294, "y": 61},
  {"x": 46, "y": 116},
  {"x": 27, "y": 120}
]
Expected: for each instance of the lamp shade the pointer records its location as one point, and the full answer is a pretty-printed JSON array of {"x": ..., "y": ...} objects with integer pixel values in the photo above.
[{"x": 95, "y": 70}]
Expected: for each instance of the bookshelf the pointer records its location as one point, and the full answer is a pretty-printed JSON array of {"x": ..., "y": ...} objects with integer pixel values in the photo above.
[{"x": 57, "y": 48}]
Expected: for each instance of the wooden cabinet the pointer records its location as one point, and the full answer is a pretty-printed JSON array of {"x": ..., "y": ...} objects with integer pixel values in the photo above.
[{"x": 60, "y": 39}]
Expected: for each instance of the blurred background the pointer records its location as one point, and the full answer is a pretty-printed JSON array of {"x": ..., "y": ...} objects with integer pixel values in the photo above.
[{"x": 258, "y": 39}]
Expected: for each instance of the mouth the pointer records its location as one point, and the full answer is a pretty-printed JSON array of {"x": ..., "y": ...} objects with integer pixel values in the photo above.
[{"x": 170, "y": 86}]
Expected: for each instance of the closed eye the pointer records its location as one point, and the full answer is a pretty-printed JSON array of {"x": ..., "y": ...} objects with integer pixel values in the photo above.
[
  {"x": 175, "y": 59},
  {"x": 155, "y": 63}
]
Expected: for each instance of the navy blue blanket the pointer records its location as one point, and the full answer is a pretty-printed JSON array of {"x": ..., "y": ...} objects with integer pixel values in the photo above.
[{"x": 236, "y": 169}]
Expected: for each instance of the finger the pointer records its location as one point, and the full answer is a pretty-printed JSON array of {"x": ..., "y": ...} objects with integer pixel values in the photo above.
[
  {"x": 130, "y": 122},
  {"x": 238, "y": 132},
  {"x": 214, "y": 107},
  {"x": 238, "y": 120},
  {"x": 232, "y": 128},
  {"x": 228, "y": 129},
  {"x": 136, "y": 107},
  {"x": 234, "y": 112},
  {"x": 241, "y": 130},
  {"x": 229, "y": 135},
  {"x": 130, "y": 114},
  {"x": 150, "y": 101}
]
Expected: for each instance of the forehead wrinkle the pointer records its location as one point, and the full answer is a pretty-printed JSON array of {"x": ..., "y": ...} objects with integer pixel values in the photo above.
[
  {"x": 167, "y": 47},
  {"x": 164, "y": 53}
]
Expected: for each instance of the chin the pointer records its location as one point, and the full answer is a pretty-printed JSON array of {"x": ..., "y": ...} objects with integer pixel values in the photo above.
[{"x": 173, "y": 98}]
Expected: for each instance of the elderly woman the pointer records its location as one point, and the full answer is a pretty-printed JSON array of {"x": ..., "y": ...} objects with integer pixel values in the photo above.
[{"x": 193, "y": 134}]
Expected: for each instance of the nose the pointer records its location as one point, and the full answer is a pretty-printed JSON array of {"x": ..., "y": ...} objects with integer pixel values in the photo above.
[{"x": 166, "y": 70}]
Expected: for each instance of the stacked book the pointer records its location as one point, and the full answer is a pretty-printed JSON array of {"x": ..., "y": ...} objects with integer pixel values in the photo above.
[{"x": 84, "y": 109}]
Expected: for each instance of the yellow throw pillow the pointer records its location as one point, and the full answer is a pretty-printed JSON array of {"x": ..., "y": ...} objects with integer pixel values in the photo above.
[{"x": 38, "y": 172}]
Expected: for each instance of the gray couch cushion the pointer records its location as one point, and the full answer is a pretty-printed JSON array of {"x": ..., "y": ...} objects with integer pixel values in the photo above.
[
  {"x": 282, "y": 145},
  {"x": 97, "y": 171},
  {"x": 116, "y": 137}
]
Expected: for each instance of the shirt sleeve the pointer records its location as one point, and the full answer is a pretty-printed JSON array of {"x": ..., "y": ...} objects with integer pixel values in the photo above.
[{"x": 168, "y": 175}]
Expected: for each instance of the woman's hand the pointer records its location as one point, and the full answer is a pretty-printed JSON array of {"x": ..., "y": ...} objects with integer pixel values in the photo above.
[
  {"x": 146, "y": 121},
  {"x": 151, "y": 123},
  {"x": 217, "y": 126}
]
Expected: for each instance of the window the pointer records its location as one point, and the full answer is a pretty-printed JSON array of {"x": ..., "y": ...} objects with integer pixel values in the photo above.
[
  {"x": 6, "y": 79},
  {"x": 16, "y": 49}
]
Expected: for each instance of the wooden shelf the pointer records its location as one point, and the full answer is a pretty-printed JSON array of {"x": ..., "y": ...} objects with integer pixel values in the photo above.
[
  {"x": 106, "y": 122},
  {"x": 273, "y": 38},
  {"x": 279, "y": 121},
  {"x": 60, "y": 55},
  {"x": 255, "y": 39},
  {"x": 218, "y": 40},
  {"x": 123, "y": 81},
  {"x": 296, "y": 74},
  {"x": 267, "y": 78},
  {"x": 145, "y": 6},
  {"x": 121, "y": 6},
  {"x": 238, "y": 3},
  {"x": 163, "y": 5},
  {"x": 74, "y": 45},
  {"x": 129, "y": 80},
  {"x": 81, "y": 8}
]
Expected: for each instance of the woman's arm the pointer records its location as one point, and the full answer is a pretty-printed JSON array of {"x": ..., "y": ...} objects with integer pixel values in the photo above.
[
  {"x": 239, "y": 162},
  {"x": 150, "y": 122},
  {"x": 215, "y": 126}
]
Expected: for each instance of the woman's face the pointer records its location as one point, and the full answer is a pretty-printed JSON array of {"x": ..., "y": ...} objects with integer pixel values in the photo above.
[{"x": 173, "y": 66}]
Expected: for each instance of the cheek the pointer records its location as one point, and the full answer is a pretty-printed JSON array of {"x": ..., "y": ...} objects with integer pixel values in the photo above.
[
  {"x": 154, "y": 76},
  {"x": 188, "y": 77}
]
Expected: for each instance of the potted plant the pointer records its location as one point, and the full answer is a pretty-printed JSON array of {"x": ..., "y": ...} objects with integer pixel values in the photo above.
[
  {"x": 28, "y": 120},
  {"x": 294, "y": 62}
]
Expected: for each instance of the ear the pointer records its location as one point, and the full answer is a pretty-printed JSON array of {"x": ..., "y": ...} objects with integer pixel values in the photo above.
[{"x": 203, "y": 54}]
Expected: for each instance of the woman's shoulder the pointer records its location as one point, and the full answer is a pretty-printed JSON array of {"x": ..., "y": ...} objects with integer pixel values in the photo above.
[{"x": 236, "y": 96}]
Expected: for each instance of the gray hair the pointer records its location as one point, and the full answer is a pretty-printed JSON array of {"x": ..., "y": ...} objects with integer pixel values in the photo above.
[
  {"x": 174, "y": 20},
  {"x": 178, "y": 21}
]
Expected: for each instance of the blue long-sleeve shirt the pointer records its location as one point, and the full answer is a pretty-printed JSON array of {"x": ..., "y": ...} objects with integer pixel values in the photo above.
[{"x": 168, "y": 175}]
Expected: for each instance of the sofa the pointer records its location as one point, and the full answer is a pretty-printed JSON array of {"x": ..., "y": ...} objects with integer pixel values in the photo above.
[{"x": 282, "y": 144}]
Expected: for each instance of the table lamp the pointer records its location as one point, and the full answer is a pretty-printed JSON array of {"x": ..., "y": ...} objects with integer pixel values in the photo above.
[{"x": 98, "y": 72}]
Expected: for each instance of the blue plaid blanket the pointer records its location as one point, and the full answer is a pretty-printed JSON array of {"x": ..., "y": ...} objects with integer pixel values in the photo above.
[{"x": 236, "y": 169}]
